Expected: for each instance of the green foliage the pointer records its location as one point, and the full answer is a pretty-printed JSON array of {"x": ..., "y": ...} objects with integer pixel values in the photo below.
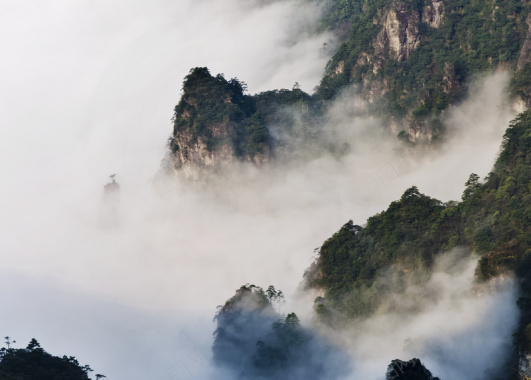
[
  {"x": 410, "y": 370},
  {"x": 210, "y": 102},
  {"x": 253, "y": 341},
  {"x": 34, "y": 363},
  {"x": 409, "y": 232},
  {"x": 217, "y": 112},
  {"x": 472, "y": 185},
  {"x": 493, "y": 219},
  {"x": 474, "y": 36},
  {"x": 520, "y": 85}
]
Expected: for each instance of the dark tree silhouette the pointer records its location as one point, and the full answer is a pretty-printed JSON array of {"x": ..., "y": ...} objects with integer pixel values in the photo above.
[
  {"x": 34, "y": 363},
  {"x": 410, "y": 370}
]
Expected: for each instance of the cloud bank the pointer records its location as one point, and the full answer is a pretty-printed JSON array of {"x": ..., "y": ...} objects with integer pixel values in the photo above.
[{"x": 88, "y": 90}]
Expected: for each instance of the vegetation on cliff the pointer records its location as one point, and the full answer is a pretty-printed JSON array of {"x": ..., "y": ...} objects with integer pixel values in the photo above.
[
  {"x": 418, "y": 55},
  {"x": 410, "y": 59},
  {"x": 34, "y": 363},
  {"x": 214, "y": 111},
  {"x": 255, "y": 342},
  {"x": 216, "y": 121},
  {"x": 493, "y": 219}
]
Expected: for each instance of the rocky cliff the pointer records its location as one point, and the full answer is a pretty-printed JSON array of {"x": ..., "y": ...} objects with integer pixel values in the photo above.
[
  {"x": 415, "y": 58},
  {"x": 399, "y": 35},
  {"x": 409, "y": 60},
  {"x": 216, "y": 124}
]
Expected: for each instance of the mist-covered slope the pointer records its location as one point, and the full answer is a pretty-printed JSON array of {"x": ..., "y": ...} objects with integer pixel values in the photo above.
[
  {"x": 136, "y": 297},
  {"x": 410, "y": 62},
  {"x": 255, "y": 341},
  {"x": 215, "y": 123},
  {"x": 416, "y": 58},
  {"x": 359, "y": 268}
]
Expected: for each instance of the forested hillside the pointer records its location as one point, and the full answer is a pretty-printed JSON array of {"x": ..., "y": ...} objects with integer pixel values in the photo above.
[
  {"x": 254, "y": 341},
  {"x": 409, "y": 60},
  {"x": 493, "y": 220},
  {"x": 34, "y": 363},
  {"x": 414, "y": 58}
]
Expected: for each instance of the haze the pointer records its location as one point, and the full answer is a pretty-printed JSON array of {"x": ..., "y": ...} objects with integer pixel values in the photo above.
[{"x": 88, "y": 89}]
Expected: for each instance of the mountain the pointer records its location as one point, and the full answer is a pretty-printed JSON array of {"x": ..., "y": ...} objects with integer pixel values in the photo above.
[
  {"x": 216, "y": 124},
  {"x": 410, "y": 370},
  {"x": 34, "y": 363},
  {"x": 253, "y": 341},
  {"x": 409, "y": 60},
  {"x": 414, "y": 58},
  {"x": 493, "y": 220}
]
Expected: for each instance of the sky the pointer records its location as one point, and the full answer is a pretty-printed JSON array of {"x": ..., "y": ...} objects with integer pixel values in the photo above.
[{"x": 88, "y": 90}]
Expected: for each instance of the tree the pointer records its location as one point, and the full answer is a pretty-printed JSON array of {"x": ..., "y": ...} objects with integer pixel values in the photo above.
[
  {"x": 413, "y": 191},
  {"x": 34, "y": 363},
  {"x": 33, "y": 345},
  {"x": 280, "y": 300},
  {"x": 471, "y": 186},
  {"x": 271, "y": 293},
  {"x": 411, "y": 370},
  {"x": 9, "y": 342},
  {"x": 292, "y": 320}
]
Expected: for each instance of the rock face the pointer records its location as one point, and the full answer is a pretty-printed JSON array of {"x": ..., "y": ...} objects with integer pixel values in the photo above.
[
  {"x": 433, "y": 14},
  {"x": 215, "y": 124},
  {"x": 525, "y": 53},
  {"x": 194, "y": 156},
  {"x": 410, "y": 60},
  {"x": 400, "y": 32},
  {"x": 450, "y": 83}
]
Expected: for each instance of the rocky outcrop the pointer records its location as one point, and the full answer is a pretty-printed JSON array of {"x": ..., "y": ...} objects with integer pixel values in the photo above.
[
  {"x": 525, "y": 53},
  {"x": 433, "y": 14},
  {"x": 215, "y": 125},
  {"x": 417, "y": 128},
  {"x": 194, "y": 157},
  {"x": 413, "y": 369},
  {"x": 450, "y": 83},
  {"x": 339, "y": 68},
  {"x": 400, "y": 32}
]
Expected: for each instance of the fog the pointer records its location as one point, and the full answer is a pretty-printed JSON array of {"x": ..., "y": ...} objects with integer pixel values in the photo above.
[
  {"x": 459, "y": 329},
  {"x": 88, "y": 91}
]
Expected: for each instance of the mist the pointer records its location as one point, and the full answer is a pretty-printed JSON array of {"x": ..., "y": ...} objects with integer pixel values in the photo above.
[
  {"x": 458, "y": 328},
  {"x": 88, "y": 91}
]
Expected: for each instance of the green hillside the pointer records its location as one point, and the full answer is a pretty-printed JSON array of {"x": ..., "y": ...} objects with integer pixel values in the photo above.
[
  {"x": 493, "y": 219},
  {"x": 441, "y": 47}
]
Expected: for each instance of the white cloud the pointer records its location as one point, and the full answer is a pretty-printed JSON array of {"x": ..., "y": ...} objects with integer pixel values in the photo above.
[{"x": 88, "y": 89}]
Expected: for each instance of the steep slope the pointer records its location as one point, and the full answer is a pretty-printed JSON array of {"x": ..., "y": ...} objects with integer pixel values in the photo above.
[
  {"x": 408, "y": 59},
  {"x": 493, "y": 220},
  {"x": 255, "y": 342},
  {"x": 415, "y": 57},
  {"x": 216, "y": 124}
]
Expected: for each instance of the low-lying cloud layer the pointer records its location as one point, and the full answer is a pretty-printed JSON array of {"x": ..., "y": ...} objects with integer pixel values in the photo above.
[
  {"x": 459, "y": 330},
  {"x": 88, "y": 91}
]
